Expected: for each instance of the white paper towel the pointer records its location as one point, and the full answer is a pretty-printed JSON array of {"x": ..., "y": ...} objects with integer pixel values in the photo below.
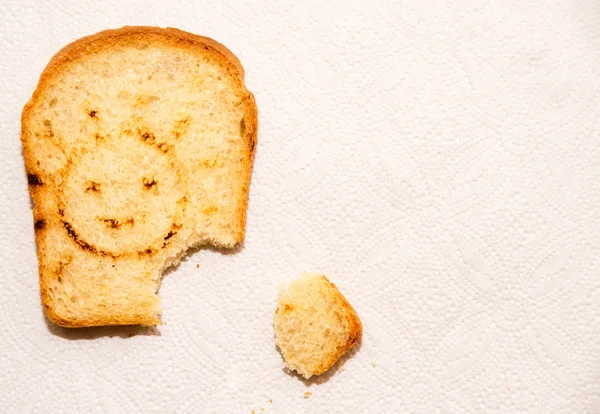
[{"x": 438, "y": 160}]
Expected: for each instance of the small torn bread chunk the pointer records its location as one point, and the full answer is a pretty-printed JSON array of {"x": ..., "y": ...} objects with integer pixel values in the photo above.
[{"x": 314, "y": 325}]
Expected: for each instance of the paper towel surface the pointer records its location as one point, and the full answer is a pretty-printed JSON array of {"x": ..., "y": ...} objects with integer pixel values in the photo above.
[{"x": 437, "y": 160}]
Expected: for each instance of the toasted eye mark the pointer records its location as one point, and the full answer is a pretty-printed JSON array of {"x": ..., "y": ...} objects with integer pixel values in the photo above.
[
  {"x": 149, "y": 183},
  {"x": 93, "y": 186},
  {"x": 112, "y": 223},
  {"x": 92, "y": 113},
  {"x": 164, "y": 147},
  {"x": 34, "y": 180},
  {"x": 148, "y": 138}
]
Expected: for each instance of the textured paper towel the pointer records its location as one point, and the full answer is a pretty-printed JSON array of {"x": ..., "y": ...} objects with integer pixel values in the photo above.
[{"x": 438, "y": 160}]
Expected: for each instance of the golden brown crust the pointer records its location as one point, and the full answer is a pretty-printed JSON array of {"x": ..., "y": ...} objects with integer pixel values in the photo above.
[
  {"x": 251, "y": 132},
  {"x": 77, "y": 50},
  {"x": 354, "y": 330}
]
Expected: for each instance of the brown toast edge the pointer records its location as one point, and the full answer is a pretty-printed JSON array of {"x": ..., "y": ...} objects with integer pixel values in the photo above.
[{"x": 354, "y": 329}]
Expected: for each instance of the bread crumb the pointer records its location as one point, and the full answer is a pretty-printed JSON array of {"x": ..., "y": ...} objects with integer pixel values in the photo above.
[
  {"x": 314, "y": 325},
  {"x": 374, "y": 363},
  {"x": 197, "y": 266},
  {"x": 271, "y": 401},
  {"x": 262, "y": 409},
  {"x": 307, "y": 394}
]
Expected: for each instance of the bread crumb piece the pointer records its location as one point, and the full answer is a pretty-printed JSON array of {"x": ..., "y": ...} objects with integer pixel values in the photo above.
[
  {"x": 197, "y": 266},
  {"x": 262, "y": 409},
  {"x": 252, "y": 412},
  {"x": 307, "y": 394},
  {"x": 374, "y": 363},
  {"x": 314, "y": 325},
  {"x": 271, "y": 401}
]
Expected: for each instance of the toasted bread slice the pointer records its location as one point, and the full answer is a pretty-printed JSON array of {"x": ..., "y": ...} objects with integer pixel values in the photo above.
[
  {"x": 314, "y": 325},
  {"x": 138, "y": 145}
]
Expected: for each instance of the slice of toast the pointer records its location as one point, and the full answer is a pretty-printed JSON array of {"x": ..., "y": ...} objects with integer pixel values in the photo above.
[
  {"x": 138, "y": 145},
  {"x": 314, "y": 325}
]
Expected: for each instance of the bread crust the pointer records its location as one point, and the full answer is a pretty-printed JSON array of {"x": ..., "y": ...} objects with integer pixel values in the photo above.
[
  {"x": 78, "y": 50},
  {"x": 354, "y": 329}
]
